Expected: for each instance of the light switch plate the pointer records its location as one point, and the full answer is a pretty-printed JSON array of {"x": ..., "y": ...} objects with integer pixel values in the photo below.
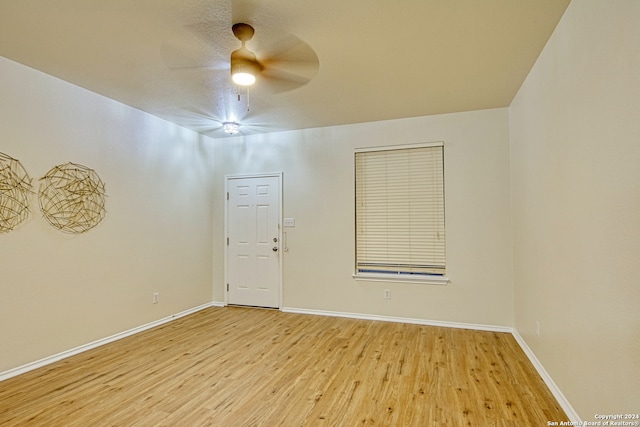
[{"x": 289, "y": 222}]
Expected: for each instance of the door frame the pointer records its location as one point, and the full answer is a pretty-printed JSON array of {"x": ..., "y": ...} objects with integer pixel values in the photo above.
[{"x": 227, "y": 178}]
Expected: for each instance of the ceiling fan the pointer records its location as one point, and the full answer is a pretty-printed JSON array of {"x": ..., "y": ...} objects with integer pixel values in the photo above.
[
  {"x": 289, "y": 64},
  {"x": 212, "y": 66},
  {"x": 279, "y": 62}
]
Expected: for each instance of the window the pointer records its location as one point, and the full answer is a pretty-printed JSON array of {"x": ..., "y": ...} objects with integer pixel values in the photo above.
[{"x": 400, "y": 232}]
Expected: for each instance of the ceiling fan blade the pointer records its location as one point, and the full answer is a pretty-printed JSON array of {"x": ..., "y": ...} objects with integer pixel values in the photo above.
[
  {"x": 289, "y": 49},
  {"x": 198, "y": 45},
  {"x": 291, "y": 63},
  {"x": 244, "y": 10},
  {"x": 175, "y": 57},
  {"x": 277, "y": 81}
]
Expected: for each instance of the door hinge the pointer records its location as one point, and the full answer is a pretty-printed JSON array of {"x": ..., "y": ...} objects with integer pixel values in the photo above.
[
  {"x": 227, "y": 287},
  {"x": 227, "y": 241},
  {"x": 227, "y": 195}
]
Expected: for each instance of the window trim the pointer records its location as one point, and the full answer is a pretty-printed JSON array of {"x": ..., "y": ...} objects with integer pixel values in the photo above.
[
  {"x": 423, "y": 279},
  {"x": 426, "y": 279}
]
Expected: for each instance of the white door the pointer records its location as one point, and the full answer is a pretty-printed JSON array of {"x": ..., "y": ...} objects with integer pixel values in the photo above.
[{"x": 253, "y": 255}]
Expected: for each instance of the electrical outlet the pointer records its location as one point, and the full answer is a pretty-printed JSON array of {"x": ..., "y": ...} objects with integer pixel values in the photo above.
[
  {"x": 156, "y": 297},
  {"x": 387, "y": 294},
  {"x": 537, "y": 327}
]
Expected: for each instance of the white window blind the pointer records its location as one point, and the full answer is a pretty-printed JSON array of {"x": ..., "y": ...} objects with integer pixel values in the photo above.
[{"x": 400, "y": 211}]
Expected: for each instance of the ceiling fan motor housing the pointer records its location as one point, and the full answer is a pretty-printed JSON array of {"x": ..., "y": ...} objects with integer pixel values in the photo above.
[
  {"x": 244, "y": 64},
  {"x": 243, "y": 32}
]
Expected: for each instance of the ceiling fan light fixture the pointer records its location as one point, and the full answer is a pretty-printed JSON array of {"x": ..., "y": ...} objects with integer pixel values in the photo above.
[
  {"x": 243, "y": 79},
  {"x": 231, "y": 128},
  {"x": 244, "y": 66}
]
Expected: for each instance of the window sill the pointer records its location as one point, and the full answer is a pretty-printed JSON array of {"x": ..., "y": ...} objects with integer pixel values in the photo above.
[{"x": 381, "y": 277}]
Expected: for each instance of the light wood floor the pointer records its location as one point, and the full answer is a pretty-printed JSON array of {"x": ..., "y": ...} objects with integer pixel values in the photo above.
[{"x": 251, "y": 367}]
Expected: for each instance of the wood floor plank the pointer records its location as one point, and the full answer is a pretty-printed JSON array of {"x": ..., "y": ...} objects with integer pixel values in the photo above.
[{"x": 237, "y": 366}]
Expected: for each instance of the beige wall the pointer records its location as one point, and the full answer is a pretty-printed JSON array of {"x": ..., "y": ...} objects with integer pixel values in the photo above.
[
  {"x": 319, "y": 194},
  {"x": 59, "y": 291},
  {"x": 575, "y": 161}
]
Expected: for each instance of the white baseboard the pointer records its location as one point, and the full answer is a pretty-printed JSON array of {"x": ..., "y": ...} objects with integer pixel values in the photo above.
[
  {"x": 479, "y": 327},
  {"x": 63, "y": 355},
  {"x": 555, "y": 390}
]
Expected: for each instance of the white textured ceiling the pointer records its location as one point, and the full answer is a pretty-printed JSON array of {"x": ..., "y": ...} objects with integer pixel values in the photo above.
[{"x": 378, "y": 59}]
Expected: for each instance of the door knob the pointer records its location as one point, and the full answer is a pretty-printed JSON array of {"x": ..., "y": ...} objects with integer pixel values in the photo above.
[{"x": 275, "y": 249}]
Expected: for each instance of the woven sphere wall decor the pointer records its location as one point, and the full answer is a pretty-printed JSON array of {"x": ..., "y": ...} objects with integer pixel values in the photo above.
[
  {"x": 15, "y": 190},
  {"x": 72, "y": 198}
]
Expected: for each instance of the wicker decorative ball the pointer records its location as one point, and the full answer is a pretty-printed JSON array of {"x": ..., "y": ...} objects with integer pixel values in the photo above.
[
  {"x": 72, "y": 198},
  {"x": 15, "y": 189}
]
